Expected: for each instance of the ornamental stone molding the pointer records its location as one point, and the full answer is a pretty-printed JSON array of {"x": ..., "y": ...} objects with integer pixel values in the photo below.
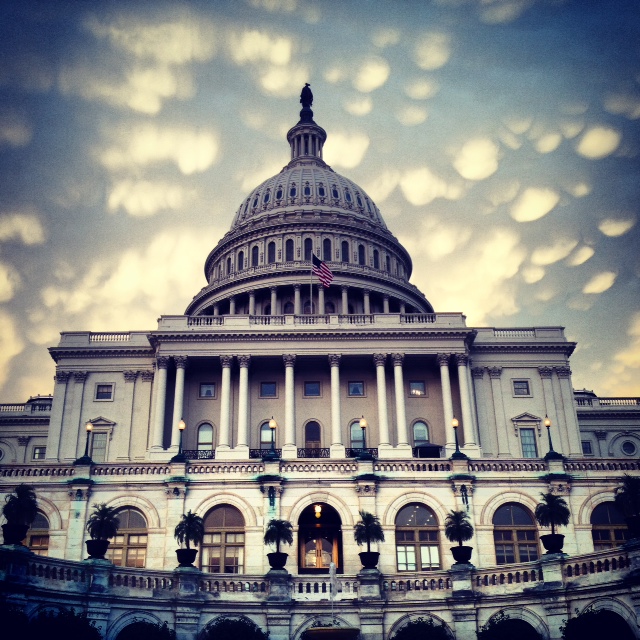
[
  {"x": 379, "y": 359},
  {"x": 563, "y": 372},
  {"x": 226, "y": 361},
  {"x": 462, "y": 359},
  {"x": 443, "y": 359},
  {"x": 601, "y": 435},
  {"x": 130, "y": 376},
  {"x": 398, "y": 359},
  {"x": 289, "y": 359},
  {"x": 477, "y": 372},
  {"x": 495, "y": 372},
  {"x": 244, "y": 361},
  {"x": 146, "y": 375},
  {"x": 180, "y": 362},
  {"x": 334, "y": 359},
  {"x": 23, "y": 441},
  {"x": 545, "y": 372},
  {"x": 80, "y": 376},
  {"x": 62, "y": 377},
  {"x": 162, "y": 362}
]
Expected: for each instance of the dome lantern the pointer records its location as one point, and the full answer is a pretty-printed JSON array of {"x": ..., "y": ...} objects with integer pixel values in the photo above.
[{"x": 306, "y": 139}]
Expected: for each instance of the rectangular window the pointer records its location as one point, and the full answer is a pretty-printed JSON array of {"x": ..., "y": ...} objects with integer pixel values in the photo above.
[
  {"x": 586, "y": 448},
  {"x": 312, "y": 389},
  {"x": 104, "y": 392},
  {"x": 207, "y": 390},
  {"x": 406, "y": 557},
  {"x": 268, "y": 390},
  {"x": 417, "y": 388},
  {"x": 98, "y": 447},
  {"x": 39, "y": 453},
  {"x": 429, "y": 557},
  {"x": 356, "y": 389},
  {"x": 528, "y": 439},
  {"x": 521, "y": 388}
]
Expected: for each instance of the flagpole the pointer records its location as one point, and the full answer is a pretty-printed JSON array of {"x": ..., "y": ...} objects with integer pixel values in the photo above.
[{"x": 311, "y": 287}]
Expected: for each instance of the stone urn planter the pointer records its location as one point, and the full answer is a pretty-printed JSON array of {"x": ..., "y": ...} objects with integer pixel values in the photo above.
[
  {"x": 277, "y": 559},
  {"x": 331, "y": 633},
  {"x": 97, "y": 549},
  {"x": 462, "y": 554},
  {"x": 186, "y": 557},
  {"x": 552, "y": 542},
  {"x": 369, "y": 559}
]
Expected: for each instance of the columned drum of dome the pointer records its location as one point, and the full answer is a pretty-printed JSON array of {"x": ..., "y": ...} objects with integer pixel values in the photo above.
[{"x": 307, "y": 209}]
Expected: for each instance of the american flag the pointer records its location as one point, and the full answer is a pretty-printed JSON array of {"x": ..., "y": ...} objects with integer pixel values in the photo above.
[{"x": 320, "y": 269}]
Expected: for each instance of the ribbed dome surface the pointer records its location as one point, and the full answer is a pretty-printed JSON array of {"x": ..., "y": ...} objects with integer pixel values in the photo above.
[{"x": 307, "y": 183}]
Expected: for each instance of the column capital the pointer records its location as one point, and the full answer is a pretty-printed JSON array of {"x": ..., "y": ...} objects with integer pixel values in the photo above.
[
  {"x": 366, "y": 292},
  {"x": 273, "y": 289},
  {"x": 252, "y": 292},
  {"x": 244, "y": 361},
  {"x": 495, "y": 372},
  {"x": 162, "y": 362},
  {"x": 563, "y": 372},
  {"x": 443, "y": 359},
  {"x": 477, "y": 372},
  {"x": 385, "y": 296},
  {"x": 289, "y": 359},
  {"x": 180, "y": 362},
  {"x": 344, "y": 287},
  {"x": 379, "y": 359},
  {"x": 601, "y": 435},
  {"x": 398, "y": 359},
  {"x": 130, "y": 376},
  {"x": 462, "y": 359},
  {"x": 226, "y": 361},
  {"x": 80, "y": 376},
  {"x": 23, "y": 441},
  {"x": 146, "y": 375},
  {"x": 62, "y": 377},
  {"x": 545, "y": 372},
  {"x": 296, "y": 287},
  {"x": 334, "y": 359}
]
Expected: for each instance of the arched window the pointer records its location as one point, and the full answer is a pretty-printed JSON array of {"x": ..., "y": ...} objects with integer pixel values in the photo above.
[
  {"x": 417, "y": 542},
  {"x": 271, "y": 252},
  {"x": 223, "y": 542},
  {"x": 288, "y": 250},
  {"x": 355, "y": 431},
  {"x": 319, "y": 539},
  {"x": 515, "y": 534},
  {"x": 420, "y": 433},
  {"x": 329, "y": 307},
  {"x": 38, "y": 536},
  {"x": 129, "y": 547},
  {"x": 309, "y": 308},
  {"x": 205, "y": 437},
  {"x": 608, "y": 527},
  {"x": 279, "y": 193},
  {"x": 361, "y": 258},
  {"x": 334, "y": 192},
  {"x": 321, "y": 192},
  {"x": 388, "y": 264},
  {"x": 344, "y": 253},
  {"x": 288, "y": 308},
  {"x": 326, "y": 250},
  {"x": 229, "y": 266},
  {"x": 265, "y": 436},
  {"x": 312, "y": 435},
  {"x": 307, "y": 189},
  {"x": 308, "y": 248},
  {"x": 240, "y": 266},
  {"x": 376, "y": 259},
  {"x": 255, "y": 255}
]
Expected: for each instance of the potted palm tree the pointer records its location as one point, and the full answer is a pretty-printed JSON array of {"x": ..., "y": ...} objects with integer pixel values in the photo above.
[
  {"x": 552, "y": 511},
  {"x": 366, "y": 531},
  {"x": 278, "y": 531},
  {"x": 103, "y": 524},
  {"x": 20, "y": 510},
  {"x": 189, "y": 529},
  {"x": 458, "y": 528},
  {"x": 627, "y": 499}
]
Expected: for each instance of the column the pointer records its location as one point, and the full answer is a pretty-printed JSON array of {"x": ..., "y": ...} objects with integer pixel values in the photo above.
[
  {"x": 474, "y": 406},
  {"x": 71, "y": 445},
  {"x": 498, "y": 410},
  {"x": 297, "y": 308},
  {"x": 57, "y": 414},
  {"x": 243, "y": 402},
  {"x": 122, "y": 444},
  {"x": 142, "y": 428},
  {"x": 345, "y": 301},
  {"x": 232, "y": 306},
  {"x": 367, "y": 301},
  {"x": 401, "y": 414},
  {"x": 225, "y": 402},
  {"x": 385, "y": 304},
  {"x": 320, "y": 300},
  {"x": 403, "y": 308},
  {"x": 289, "y": 449},
  {"x": 178, "y": 400},
  {"x": 546, "y": 373},
  {"x": 160, "y": 396},
  {"x": 379, "y": 360},
  {"x": 486, "y": 423},
  {"x": 252, "y": 303},
  {"x": 465, "y": 400},
  {"x": 216, "y": 309},
  {"x": 274, "y": 300},
  {"x": 337, "y": 448},
  {"x": 447, "y": 404},
  {"x": 602, "y": 443},
  {"x": 570, "y": 418}
]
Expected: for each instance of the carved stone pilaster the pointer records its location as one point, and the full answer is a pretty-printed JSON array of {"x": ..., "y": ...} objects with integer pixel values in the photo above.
[
  {"x": 289, "y": 359},
  {"x": 130, "y": 376},
  {"x": 334, "y": 359},
  {"x": 477, "y": 372},
  {"x": 146, "y": 376},
  {"x": 495, "y": 372},
  {"x": 545, "y": 372},
  {"x": 379, "y": 359},
  {"x": 175, "y": 489},
  {"x": 462, "y": 359},
  {"x": 443, "y": 359},
  {"x": 244, "y": 361},
  {"x": 563, "y": 372},
  {"x": 162, "y": 362},
  {"x": 226, "y": 361},
  {"x": 62, "y": 377},
  {"x": 80, "y": 493},
  {"x": 601, "y": 435},
  {"x": 397, "y": 359},
  {"x": 80, "y": 376},
  {"x": 23, "y": 441},
  {"x": 180, "y": 362}
]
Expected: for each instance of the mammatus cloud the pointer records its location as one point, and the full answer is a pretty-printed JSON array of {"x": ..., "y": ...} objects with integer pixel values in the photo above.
[
  {"x": 274, "y": 6},
  {"x": 421, "y": 89},
  {"x": 532, "y": 274},
  {"x": 11, "y": 344},
  {"x": 600, "y": 282},
  {"x": 382, "y": 185},
  {"x": 549, "y": 254},
  {"x": 412, "y": 115},
  {"x": 503, "y": 11},
  {"x": 626, "y": 364},
  {"x": 283, "y": 81},
  {"x": 534, "y": 203},
  {"x": 478, "y": 159},
  {"x": 145, "y": 198},
  {"x": 23, "y": 226},
  {"x": 373, "y": 73},
  {"x": 386, "y": 37},
  {"x": 615, "y": 228},
  {"x": 345, "y": 149},
  {"x": 9, "y": 281},
  {"x": 580, "y": 256},
  {"x": 598, "y": 142},
  {"x": 432, "y": 51},
  {"x": 421, "y": 186},
  {"x": 15, "y": 131},
  {"x": 623, "y": 104},
  {"x": 359, "y": 106},
  {"x": 253, "y": 46}
]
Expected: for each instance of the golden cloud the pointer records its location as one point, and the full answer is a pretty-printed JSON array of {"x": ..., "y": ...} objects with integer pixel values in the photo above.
[
  {"x": 478, "y": 159},
  {"x": 360, "y": 106},
  {"x": 421, "y": 186},
  {"x": 412, "y": 115},
  {"x": 580, "y": 256},
  {"x": 598, "y": 142},
  {"x": 254, "y": 46},
  {"x": 534, "y": 203},
  {"x": 600, "y": 282},
  {"x": 432, "y": 51},
  {"x": 142, "y": 198},
  {"x": 615, "y": 228},
  {"x": 346, "y": 149},
  {"x": 373, "y": 73},
  {"x": 24, "y": 226},
  {"x": 559, "y": 250},
  {"x": 11, "y": 344}
]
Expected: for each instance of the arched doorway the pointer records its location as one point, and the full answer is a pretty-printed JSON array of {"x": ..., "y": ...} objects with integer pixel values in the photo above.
[{"x": 320, "y": 539}]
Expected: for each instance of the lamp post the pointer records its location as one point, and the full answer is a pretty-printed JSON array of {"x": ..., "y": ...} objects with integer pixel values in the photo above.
[
  {"x": 364, "y": 454},
  {"x": 182, "y": 425},
  {"x": 551, "y": 455},
  {"x": 86, "y": 458},
  {"x": 457, "y": 454},
  {"x": 272, "y": 454}
]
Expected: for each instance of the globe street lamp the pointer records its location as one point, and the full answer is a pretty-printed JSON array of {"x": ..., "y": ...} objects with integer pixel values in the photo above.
[
  {"x": 272, "y": 454},
  {"x": 365, "y": 454},
  {"x": 180, "y": 457},
  {"x": 551, "y": 455},
  {"x": 457, "y": 454},
  {"x": 86, "y": 458}
]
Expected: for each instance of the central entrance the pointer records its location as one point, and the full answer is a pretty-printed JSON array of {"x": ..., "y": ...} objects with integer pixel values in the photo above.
[{"x": 320, "y": 539}]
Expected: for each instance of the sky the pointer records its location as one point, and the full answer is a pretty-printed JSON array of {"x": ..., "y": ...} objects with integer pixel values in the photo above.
[{"x": 499, "y": 138}]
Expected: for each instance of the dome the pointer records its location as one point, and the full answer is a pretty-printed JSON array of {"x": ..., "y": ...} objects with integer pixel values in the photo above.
[{"x": 307, "y": 209}]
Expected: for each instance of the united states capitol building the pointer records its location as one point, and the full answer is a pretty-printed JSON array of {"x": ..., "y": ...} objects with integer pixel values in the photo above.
[{"x": 276, "y": 397}]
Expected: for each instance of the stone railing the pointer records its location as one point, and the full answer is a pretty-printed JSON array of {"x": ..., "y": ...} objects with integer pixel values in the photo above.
[
  {"x": 587, "y": 464},
  {"x": 507, "y": 466},
  {"x": 436, "y": 581},
  {"x": 607, "y": 402},
  {"x": 27, "y": 407},
  {"x": 36, "y": 471},
  {"x": 319, "y": 587},
  {"x": 219, "y": 467},
  {"x": 109, "y": 337},
  {"x": 130, "y": 469},
  {"x": 522, "y": 574}
]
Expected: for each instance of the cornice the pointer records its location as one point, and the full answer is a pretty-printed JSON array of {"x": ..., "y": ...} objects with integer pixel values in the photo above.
[
  {"x": 618, "y": 414},
  {"x": 566, "y": 348},
  {"x": 31, "y": 420},
  {"x": 58, "y": 353}
]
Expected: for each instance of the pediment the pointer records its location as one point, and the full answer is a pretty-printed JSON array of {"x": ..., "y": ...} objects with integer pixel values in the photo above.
[
  {"x": 100, "y": 421},
  {"x": 527, "y": 417}
]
